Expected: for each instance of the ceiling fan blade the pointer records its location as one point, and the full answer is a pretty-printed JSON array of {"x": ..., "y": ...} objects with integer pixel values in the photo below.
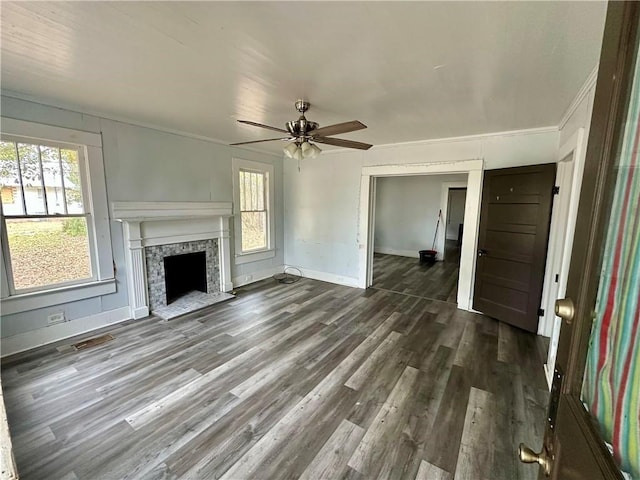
[
  {"x": 247, "y": 122},
  {"x": 258, "y": 141},
  {"x": 340, "y": 142},
  {"x": 345, "y": 127}
]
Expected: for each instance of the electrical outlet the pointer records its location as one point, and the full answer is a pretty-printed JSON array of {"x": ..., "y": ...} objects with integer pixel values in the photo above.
[
  {"x": 54, "y": 318},
  {"x": 248, "y": 278}
]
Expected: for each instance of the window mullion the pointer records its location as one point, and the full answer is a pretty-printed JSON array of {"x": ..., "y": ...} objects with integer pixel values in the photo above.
[
  {"x": 64, "y": 190},
  {"x": 44, "y": 189},
  {"x": 24, "y": 200}
]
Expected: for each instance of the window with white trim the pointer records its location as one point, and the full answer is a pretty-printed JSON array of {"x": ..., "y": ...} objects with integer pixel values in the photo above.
[
  {"x": 253, "y": 187},
  {"x": 45, "y": 221},
  {"x": 55, "y": 236}
]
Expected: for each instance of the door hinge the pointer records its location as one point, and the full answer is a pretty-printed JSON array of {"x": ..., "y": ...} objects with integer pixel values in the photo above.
[
  {"x": 541, "y": 312},
  {"x": 555, "y": 190}
]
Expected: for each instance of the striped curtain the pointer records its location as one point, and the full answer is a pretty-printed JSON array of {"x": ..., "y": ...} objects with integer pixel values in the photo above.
[{"x": 611, "y": 389}]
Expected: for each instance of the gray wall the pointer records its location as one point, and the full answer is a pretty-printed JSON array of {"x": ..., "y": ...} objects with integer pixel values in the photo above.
[
  {"x": 407, "y": 212},
  {"x": 322, "y": 201},
  {"x": 143, "y": 164}
]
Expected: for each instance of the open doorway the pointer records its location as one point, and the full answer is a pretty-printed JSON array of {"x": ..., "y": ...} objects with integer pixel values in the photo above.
[
  {"x": 453, "y": 200},
  {"x": 414, "y": 213}
]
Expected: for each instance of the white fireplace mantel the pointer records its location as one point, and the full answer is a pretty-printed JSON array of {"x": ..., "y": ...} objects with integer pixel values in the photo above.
[
  {"x": 159, "y": 223},
  {"x": 153, "y": 211}
]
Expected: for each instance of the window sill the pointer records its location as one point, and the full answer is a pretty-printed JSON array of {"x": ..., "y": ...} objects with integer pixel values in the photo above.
[
  {"x": 31, "y": 301},
  {"x": 254, "y": 256}
]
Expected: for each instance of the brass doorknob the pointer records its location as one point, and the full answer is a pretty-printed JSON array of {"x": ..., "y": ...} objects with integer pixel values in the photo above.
[
  {"x": 527, "y": 455},
  {"x": 565, "y": 309}
]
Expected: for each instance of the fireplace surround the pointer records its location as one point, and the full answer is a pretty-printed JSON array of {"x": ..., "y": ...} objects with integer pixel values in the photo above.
[{"x": 179, "y": 227}]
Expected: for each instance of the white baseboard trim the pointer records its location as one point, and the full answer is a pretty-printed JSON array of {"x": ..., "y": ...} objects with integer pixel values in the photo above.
[
  {"x": 327, "y": 277},
  {"x": 393, "y": 251},
  {"x": 253, "y": 277},
  {"x": 54, "y": 333}
]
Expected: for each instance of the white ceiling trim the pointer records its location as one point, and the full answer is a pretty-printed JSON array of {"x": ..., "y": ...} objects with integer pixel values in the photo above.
[
  {"x": 477, "y": 136},
  {"x": 464, "y": 138},
  {"x": 589, "y": 83}
]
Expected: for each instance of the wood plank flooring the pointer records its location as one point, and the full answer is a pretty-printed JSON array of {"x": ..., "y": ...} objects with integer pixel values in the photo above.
[
  {"x": 438, "y": 281},
  {"x": 309, "y": 380}
]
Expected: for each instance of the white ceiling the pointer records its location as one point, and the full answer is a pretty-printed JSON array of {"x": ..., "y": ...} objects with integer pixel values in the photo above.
[{"x": 408, "y": 70}]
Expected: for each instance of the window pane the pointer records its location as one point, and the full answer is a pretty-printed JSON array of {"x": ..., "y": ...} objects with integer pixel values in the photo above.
[
  {"x": 247, "y": 189},
  {"x": 243, "y": 190},
  {"x": 254, "y": 230},
  {"x": 10, "y": 190},
  {"x": 254, "y": 191},
  {"x": 31, "y": 178},
  {"x": 251, "y": 191},
  {"x": 72, "y": 183},
  {"x": 48, "y": 251},
  {"x": 52, "y": 179}
]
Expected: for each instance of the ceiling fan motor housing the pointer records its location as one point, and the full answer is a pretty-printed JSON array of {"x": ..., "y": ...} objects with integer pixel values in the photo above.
[{"x": 301, "y": 127}]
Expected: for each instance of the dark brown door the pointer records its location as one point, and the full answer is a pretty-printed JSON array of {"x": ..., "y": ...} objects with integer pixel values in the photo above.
[
  {"x": 512, "y": 245},
  {"x": 604, "y": 273}
]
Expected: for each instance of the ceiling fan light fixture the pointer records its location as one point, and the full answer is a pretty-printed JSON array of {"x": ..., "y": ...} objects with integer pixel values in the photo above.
[
  {"x": 313, "y": 151},
  {"x": 306, "y": 148},
  {"x": 290, "y": 150},
  {"x": 298, "y": 154}
]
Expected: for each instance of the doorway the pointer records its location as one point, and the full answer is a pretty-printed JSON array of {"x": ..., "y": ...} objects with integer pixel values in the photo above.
[
  {"x": 366, "y": 221},
  {"x": 412, "y": 215},
  {"x": 453, "y": 215}
]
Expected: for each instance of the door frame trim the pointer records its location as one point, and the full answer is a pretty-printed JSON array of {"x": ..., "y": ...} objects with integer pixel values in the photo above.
[
  {"x": 549, "y": 326},
  {"x": 474, "y": 168},
  {"x": 613, "y": 88}
]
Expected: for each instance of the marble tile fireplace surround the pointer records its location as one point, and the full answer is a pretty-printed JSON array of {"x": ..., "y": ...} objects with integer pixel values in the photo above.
[{"x": 154, "y": 230}]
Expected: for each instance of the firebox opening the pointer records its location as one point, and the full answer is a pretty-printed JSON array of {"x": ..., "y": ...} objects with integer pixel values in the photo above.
[{"x": 185, "y": 273}]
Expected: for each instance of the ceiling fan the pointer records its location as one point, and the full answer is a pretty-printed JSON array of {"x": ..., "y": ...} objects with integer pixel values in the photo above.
[{"x": 304, "y": 134}]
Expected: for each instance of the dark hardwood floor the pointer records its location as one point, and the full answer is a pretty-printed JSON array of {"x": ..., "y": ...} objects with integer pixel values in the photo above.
[
  {"x": 438, "y": 281},
  {"x": 309, "y": 380}
]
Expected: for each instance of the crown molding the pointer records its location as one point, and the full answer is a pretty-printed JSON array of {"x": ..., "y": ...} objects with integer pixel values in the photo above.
[
  {"x": 589, "y": 83},
  {"x": 462, "y": 138}
]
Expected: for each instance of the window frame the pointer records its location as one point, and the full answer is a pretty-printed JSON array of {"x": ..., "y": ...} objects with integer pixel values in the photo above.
[
  {"x": 93, "y": 186},
  {"x": 265, "y": 169}
]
